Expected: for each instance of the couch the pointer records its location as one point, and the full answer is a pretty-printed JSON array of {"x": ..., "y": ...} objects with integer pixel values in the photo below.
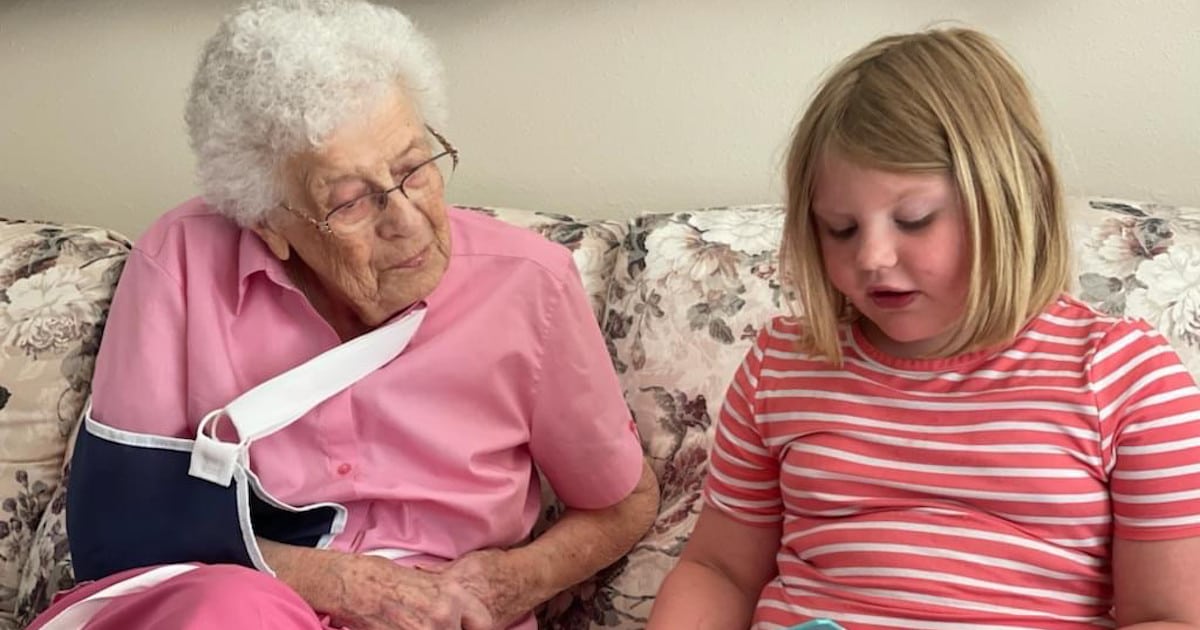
[{"x": 678, "y": 296}]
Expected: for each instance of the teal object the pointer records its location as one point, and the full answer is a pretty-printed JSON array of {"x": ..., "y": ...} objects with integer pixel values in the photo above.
[{"x": 818, "y": 624}]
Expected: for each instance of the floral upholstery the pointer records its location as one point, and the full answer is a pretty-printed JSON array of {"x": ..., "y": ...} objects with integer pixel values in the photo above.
[
  {"x": 55, "y": 286},
  {"x": 688, "y": 294},
  {"x": 1143, "y": 260},
  {"x": 679, "y": 297},
  {"x": 706, "y": 277},
  {"x": 48, "y": 568}
]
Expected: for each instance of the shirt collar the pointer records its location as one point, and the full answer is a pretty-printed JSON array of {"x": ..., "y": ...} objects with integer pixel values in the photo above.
[{"x": 255, "y": 257}]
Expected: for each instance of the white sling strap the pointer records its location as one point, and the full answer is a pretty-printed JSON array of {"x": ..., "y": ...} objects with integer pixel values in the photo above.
[{"x": 285, "y": 398}]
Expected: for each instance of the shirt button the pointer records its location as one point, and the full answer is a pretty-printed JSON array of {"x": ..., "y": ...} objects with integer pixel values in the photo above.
[{"x": 343, "y": 469}]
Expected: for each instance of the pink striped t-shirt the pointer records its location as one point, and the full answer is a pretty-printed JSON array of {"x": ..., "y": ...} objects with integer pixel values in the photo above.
[{"x": 980, "y": 490}]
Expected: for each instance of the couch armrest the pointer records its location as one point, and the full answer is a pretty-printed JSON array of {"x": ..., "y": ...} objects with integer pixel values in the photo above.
[{"x": 56, "y": 282}]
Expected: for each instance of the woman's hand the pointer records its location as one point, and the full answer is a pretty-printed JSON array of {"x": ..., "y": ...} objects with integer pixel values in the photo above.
[
  {"x": 363, "y": 592},
  {"x": 491, "y": 576},
  {"x": 487, "y": 589},
  {"x": 372, "y": 593}
]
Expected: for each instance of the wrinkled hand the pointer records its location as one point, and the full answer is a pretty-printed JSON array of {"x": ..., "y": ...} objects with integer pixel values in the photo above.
[
  {"x": 377, "y": 594},
  {"x": 492, "y": 578}
]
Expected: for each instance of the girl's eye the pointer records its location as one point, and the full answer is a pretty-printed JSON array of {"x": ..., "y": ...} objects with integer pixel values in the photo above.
[
  {"x": 841, "y": 234},
  {"x": 913, "y": 226}
]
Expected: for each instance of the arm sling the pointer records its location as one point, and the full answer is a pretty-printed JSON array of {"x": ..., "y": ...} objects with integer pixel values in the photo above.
[{"x": 137, "y": 500}]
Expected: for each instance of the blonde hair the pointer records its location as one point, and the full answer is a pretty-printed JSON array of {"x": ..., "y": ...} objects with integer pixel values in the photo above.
[{"x": 936, "y": 101}]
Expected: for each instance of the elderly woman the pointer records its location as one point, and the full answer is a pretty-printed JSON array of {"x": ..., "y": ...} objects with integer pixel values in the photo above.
[{"x": 323, "y": 221}]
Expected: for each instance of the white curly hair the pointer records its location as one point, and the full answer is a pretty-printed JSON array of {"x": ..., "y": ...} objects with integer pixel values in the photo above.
[{"x": 280, "y": 75}]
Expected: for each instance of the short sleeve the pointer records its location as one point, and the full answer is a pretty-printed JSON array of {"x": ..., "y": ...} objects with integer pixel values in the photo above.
[
  {"x": 1149, "y": 413},
  {"x": 743, "y": 475},
  {"x": 582, "y": 436},
  {"x": 139, "y": 383}
]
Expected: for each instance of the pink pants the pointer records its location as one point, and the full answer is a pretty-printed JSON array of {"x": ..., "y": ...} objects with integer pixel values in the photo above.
[{"x": 213, "y": 597}]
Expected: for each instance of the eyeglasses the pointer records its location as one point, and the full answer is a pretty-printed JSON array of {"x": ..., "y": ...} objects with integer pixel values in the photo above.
[{"x": 418, "y": 185}]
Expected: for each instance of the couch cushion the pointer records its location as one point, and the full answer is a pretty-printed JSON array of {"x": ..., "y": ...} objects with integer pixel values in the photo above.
[
  {"x": 48, "y": 569},
  {"x": 1142, "y": 260},
  {"x": 55, "y": 285},
  {"x": 689, "y": 292}
]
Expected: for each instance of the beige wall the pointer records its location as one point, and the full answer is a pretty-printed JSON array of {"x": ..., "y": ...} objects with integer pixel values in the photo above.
[{"x": 600, "y": 108}]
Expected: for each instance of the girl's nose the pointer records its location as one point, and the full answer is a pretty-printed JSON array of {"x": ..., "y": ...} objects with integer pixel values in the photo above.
[{"x": 875, "y": 252}]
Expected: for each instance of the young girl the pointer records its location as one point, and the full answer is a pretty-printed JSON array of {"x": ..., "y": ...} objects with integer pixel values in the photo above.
[{"x": 944, "y": 439}]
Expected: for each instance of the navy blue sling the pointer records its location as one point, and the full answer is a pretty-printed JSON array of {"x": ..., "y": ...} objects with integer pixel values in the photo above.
[{"x": 136, "y": 500}]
